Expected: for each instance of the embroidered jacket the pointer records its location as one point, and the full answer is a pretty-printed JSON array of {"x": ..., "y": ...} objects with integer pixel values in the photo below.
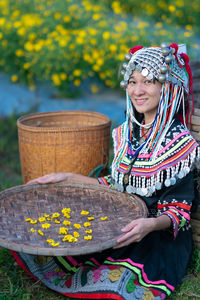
[{"x": 163, "y": 179}]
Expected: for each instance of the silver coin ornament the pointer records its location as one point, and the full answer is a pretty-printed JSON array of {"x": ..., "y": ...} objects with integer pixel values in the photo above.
[
  {"x": 126, "y": 76},
  {"x": 123, "y": 84},
  {"x": 165, "y": 51},
  {"x": 132, "y": 66},
  {"x": 163, "y": 45},
  {"x": 150, "y": 76},
  {"x": 161, "y": 78},
  {"x": 128, "y": 56},
  {"x": 145, "y": 72},
  {"x": 138, "y": 68},
  {"x": 163, "y": 69},
  {"x": 124, "y": 65},
  {"x": 168, "y": 59},
  {"x": 122, "y": 72}
]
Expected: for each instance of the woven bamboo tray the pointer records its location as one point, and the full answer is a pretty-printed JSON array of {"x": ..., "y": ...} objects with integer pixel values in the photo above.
[
  {"x": 33, "y": 201},
  {"x": 63, "y": 141}
]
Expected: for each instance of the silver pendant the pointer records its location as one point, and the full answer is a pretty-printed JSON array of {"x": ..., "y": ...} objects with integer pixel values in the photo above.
[
  {"x": 152, "y": 189},
  {"x": 173, "y": 180},
  {"x": 119, "y": 187},
  {"x": 144, "y": 191},
  {"x": 130, "y": 189},
  {"x": 158, "y": 185},
  {"x": 167, "y": 182},
  {"x": 181, "y": 174}
]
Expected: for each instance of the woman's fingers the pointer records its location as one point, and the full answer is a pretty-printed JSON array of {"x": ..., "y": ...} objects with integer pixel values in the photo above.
[
  {"x": 49, "y": 178},
  {"x": 133, "y": 232}
]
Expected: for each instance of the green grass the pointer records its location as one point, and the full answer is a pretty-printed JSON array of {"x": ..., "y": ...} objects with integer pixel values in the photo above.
[{"x": 17, "y": 284}]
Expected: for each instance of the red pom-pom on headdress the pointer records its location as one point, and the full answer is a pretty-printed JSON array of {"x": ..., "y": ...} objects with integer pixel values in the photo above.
[
  {"x": 186, "y": 59},
  {"x": 175, "y": 46},
  {"x": 135, "y": 49}
]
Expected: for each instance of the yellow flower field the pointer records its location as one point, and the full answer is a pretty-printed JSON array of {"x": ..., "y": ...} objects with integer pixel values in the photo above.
[{"x": 66, "y": 42}]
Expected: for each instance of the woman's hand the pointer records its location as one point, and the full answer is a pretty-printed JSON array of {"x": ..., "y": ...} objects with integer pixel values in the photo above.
[
  {"x": 139, "y": 228},
  {"x": 67, "y": 177},
  {"x": 51, "y": 178},
  {"x": 135, "y": 231}
]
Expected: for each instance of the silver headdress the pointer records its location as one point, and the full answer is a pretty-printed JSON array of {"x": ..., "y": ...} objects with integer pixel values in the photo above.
[{"x": 164, "y": 63}]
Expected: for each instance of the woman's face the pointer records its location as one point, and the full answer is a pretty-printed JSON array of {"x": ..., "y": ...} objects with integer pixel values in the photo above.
[{"x": 144, "y": 95}]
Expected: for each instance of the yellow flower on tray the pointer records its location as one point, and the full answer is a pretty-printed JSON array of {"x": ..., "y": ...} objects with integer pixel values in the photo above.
[
  {"x": 88, "y": 237},
  {"x": 55, "y": 244},
  {"x": 63, "y": 230},
  {"x": 65, "y": 222},
  {"x": 28, "y": 219},
  {"x": 46, "y": 215},
  {"x": 57, "y": 221},
  {"x": 50, "y": 241},
  {"x": 66, "y": 210},
  {"x": 76, "y": 234},
  {"x": 40, "y": 232},
  {"x": 46, "y": 225},
  {"x": 67, "y": 216},
  {"x": 77, "y": 226},
  {"x": 88, "y": 231},
  {"x": 87, "y": 224},
  {"x": 33, "y": 221},
  {"x": 85, "y": 212},
  {"x": 42, "y": 219},
  {"x": 55, "y": 215},
  {"x": 90, "y": 218},
  {"x": 33, "y": 230},
  {"x": 70, "y": 238},
  {"x": 104, "y": 218}
]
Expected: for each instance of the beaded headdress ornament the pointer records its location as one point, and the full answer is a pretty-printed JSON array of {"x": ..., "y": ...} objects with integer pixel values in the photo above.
[{"x": 170, "y": 66}]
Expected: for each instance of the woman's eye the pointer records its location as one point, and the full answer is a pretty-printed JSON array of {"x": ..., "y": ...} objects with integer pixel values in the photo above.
[
  {"x": 131, "y": 82},
  {"x": 148, "y": 81}
]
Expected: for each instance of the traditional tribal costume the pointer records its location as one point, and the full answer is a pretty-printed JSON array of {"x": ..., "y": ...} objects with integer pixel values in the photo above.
[{"x": 159, "y": 169}]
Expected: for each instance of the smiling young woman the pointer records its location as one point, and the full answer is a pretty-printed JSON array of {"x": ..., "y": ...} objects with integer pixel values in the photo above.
[{"x": 154, "y": 157}]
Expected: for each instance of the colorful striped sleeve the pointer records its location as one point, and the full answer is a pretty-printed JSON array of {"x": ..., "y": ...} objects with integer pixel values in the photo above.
[
  {"x": 176, "y": 202},
  {"x": 106, "y": 180}
]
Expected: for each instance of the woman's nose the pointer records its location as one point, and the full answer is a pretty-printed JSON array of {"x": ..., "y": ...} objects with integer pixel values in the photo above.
[{"x": 138, "y": 89}]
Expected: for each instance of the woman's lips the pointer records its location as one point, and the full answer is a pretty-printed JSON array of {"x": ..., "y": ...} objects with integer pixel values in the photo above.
[{"x": 140, "y": 101}]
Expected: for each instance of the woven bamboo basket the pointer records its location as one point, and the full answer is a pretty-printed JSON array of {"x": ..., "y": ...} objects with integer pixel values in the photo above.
[
  {"x": 63, "y": 141},
  {"x": 195, "y": 131},
  {"x": 34, "y": 201}
]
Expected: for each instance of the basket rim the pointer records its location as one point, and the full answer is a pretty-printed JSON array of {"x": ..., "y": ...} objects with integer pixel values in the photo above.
[{"x": 33, "y": 116}]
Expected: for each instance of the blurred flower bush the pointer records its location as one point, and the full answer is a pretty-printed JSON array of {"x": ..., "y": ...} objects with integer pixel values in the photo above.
[{"x": 69, "y": 41}]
